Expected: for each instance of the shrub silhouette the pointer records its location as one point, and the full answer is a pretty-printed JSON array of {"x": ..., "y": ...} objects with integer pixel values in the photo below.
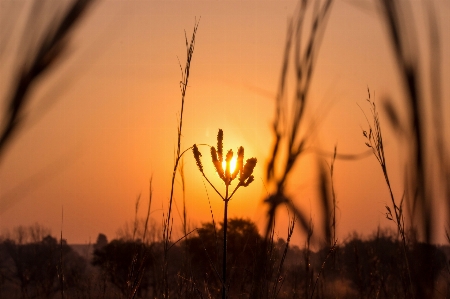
[
  {"x": 36, "y": 266},
  {"x": 118, "y": 261}
]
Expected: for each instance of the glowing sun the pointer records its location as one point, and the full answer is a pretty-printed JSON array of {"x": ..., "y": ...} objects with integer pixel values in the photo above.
[{"x": 232, "y": 164}]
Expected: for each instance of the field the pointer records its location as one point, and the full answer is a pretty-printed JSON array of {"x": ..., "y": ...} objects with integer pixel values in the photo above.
[{"x": 234, "y": 257}]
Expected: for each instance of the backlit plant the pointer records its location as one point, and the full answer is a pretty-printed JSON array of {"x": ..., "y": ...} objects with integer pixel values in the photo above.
[{"x": 227, "y": 175}]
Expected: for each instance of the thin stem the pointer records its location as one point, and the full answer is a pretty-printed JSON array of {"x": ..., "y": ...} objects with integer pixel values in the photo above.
[
  {"x": 224, "y": 261},
  {"x": 214, "y": 187},
  {"x": 375, "y": 141},
  {"x": 400, "y": 227},
  {"x": 235, "y": 189},
  {"x": 332, "y": 249},
  {"x": 167, "y": 229},
  {"x": 183, "y": 84}
]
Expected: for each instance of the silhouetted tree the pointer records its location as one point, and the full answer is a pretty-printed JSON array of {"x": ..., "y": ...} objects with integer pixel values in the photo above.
[
  {"x": 34, "y": 267},
  {"x": 125, "y": 263},
  {"x": 102, "y": 241}
]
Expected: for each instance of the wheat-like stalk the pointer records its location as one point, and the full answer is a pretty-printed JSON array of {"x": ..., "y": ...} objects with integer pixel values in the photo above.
[{"x": 245, "y": 178}]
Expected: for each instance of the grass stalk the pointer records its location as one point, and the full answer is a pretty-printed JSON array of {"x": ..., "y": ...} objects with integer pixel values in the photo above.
[
  {"x": 290, "y": 118},
  {"x": 330, "y": 252},
  {"x": 307, "y": 258},
  {"x": 333, "y": 195},
  {"x": 39, "y": 61},
  {"x": 168, "y": 222},
  {"x": 61, "y": 261},
  {"x": 137, "y": 268},
  {"x": 278, "y": 277},
  {"x": 374, "y": 140}
]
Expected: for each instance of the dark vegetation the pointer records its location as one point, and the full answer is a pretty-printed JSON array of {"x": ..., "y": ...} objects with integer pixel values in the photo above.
[
  {"x": 357, "y": 268},
  {"x": 33, "y": 268}
]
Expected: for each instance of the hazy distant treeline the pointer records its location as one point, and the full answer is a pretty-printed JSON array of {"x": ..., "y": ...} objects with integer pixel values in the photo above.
[{"x": 357, "y": 268}]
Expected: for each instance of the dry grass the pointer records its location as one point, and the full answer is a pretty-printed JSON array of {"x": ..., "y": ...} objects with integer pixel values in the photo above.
[
  {"x": 375, "y": 142},
  {"x": 168, "y": 222},
  {"x": 39, "y": 60},
  {"x": 368, "y": 271}
]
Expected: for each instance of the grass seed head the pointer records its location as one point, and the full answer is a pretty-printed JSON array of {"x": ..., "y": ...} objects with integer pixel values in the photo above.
[
  {"x": 244, "y": 171},
  {"x": 247, "y": 172},
  {"x": 239, "y": 163},
  {"x": 250, "y": 179},
  {"x": 220, "y": 145},
  {"x": 217, "y": 163},
  {"x": 197, "y": 156}
]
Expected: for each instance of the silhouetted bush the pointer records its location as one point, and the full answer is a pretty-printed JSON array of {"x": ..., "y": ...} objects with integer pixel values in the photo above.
[
  {"x": 35, "y": 269},
  {"x": 125, "y": 263}
]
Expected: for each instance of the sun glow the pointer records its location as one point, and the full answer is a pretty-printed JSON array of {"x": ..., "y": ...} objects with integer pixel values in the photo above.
[{"x": 232, "y": 164}]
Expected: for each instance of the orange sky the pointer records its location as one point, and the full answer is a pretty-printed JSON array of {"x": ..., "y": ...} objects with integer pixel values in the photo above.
[{"x": 115, "y": 102}]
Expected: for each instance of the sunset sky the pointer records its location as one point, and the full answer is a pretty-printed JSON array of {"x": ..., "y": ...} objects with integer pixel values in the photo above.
[{"x": 104, "y": 121}]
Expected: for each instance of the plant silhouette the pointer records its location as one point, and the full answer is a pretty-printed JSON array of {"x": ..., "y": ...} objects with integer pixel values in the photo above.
[{"x": 245, "y": 179}]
